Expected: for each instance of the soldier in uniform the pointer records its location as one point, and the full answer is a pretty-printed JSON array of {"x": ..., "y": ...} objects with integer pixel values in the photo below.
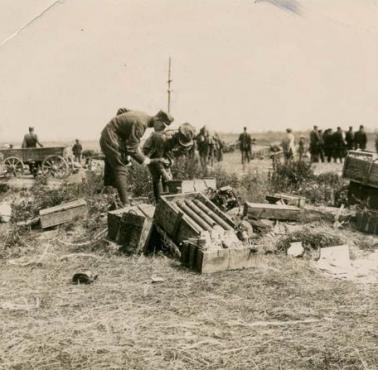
[
  {"x": 245, "y": 143},
  {"x": 315, "y": 143},
  {"x": 161, "y": 145},
  {"x": 31, "y": 141},
  {"x": 203, "y": 147},
  {"x": 338, "y": 145},
  {"x": 360, "y": 138},
  {"x": 120, "y": 140},
  {"x": 77, "y": 149},
  {"x": 349, "y": 139},
  {"x": 328, "y": 144}
]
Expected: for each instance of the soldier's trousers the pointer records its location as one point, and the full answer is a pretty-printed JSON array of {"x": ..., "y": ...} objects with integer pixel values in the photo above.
[{"x": 115, "y": 173}]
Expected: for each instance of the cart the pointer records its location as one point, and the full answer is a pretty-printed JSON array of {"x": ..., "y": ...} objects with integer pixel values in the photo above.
[{"x": 49, "y": 160}]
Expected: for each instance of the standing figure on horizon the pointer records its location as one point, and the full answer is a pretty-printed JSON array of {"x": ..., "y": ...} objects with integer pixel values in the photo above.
[{"x": 245, "y": 143}]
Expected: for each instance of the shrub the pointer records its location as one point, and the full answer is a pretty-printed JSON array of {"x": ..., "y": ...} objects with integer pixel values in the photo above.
[{"x": 291, "y": 176}]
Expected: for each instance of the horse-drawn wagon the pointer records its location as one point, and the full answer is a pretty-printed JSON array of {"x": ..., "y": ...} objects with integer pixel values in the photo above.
[{"x": 50, "y": 161}]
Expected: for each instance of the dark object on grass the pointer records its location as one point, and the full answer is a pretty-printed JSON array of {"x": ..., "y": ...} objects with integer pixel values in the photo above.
[
  {"x": 86, "y": 277},
  {"x": 225, "y": 198}
]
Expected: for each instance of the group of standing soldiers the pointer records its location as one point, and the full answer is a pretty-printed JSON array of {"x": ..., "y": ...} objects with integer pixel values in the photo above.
[{"x": 328, "y": 145}]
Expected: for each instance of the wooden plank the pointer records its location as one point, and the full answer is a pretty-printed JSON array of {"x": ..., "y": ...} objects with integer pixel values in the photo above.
[
  {"x": 272, "y": 212},
  {"x": 63, "y": 213},
  {"x": 290, "y": 200},
  {"x": 165, "y": 216}
]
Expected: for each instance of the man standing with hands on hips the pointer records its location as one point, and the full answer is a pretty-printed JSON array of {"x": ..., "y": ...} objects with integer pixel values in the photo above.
[{"x": 120, "y": 140}]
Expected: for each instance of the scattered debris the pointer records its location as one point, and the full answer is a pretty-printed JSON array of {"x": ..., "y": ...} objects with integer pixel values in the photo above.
[
  {"x": 335, "y": 260},
  {"x": 190, "y": 186},
  {"x": 296, "y": 250},
  {"x": 157, "y": 279},
  {"x": 63, "y": 213},
  {"x": 86, "y": 277},
  {"x": 225, "y": 198},
  {"x": 5, "y": 212}
]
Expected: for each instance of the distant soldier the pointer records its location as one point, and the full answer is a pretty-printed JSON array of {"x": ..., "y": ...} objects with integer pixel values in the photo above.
[
  {"x": 360, "y": 138},
  {"x": 77, "y": 150},
  {"x": 288, "y": 145},
  {"x": 31, "y": 141},
  {"x": 120, "y": 140},
  {"x": 245, "y": 143},
  {"x": 219, "y": 144},
  {"x": 349, "y": 139},
  {"x": 315, "y": 143},
  {"x": 321, "y": 146},
  {"x": 161, "y": 145},
  {"x": 338, "y": 145},
  {"x": 376, "y": 143},
  {"x": 203, "y": 147},
  {"x": 328, "y": 144},
  {"x": 301, "y": 148}
]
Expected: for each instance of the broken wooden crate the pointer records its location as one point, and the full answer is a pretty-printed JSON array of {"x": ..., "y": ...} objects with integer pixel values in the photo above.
[
  {"x": 367, "y": 221},
  {"x": 190, "y": 186},
  {"x": 290, "y": 200},
  {"x": 63, "y": 213},
  {"x": 130, "y": 227},
  {"x": 204, "y": 235},
  {"x": 258, "y": 211},
  {"x": 361, "y": 167}
]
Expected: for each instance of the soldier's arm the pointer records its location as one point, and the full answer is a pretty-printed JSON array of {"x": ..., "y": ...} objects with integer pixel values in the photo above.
[
  {"x": 133, "y": 141},
  {"x": 37, "y": 140}
]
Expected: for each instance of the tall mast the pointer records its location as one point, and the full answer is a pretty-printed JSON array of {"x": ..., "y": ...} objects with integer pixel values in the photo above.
[{"x": 169, "y": 85}]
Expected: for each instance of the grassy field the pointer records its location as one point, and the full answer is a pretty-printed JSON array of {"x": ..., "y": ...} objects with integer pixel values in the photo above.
[
  {"x": 151, "y": 313},
  {"x": 282, "y": 314}
]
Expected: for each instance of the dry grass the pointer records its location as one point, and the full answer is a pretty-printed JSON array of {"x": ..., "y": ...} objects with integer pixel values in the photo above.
[{"x": 279, "y": 315}]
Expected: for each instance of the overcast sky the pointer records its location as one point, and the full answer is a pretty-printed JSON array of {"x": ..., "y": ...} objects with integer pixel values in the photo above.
[{"x": 235, "y": 63}]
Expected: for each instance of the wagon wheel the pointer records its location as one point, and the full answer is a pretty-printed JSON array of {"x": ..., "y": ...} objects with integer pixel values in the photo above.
[
  {"x": 14, "y": 166},
  {"x": 55, "y": 166}
]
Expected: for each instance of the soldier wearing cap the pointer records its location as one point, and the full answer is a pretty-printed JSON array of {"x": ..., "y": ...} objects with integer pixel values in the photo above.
[
  {"x": 163, "y": 145},
  {"x": 120, "y": 140}
]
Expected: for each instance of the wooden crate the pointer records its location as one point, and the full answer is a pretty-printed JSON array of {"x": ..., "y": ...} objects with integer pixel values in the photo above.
[
  {"x": 190, "y": 186},
  {"x": 134, "y": 233},
  {"x": 272, "y": 212},
  {"x": 217, "y": 259},
  {"x": 115, "y": 218},
  {"x": 361, "y": 167},
  {"x": 178, "y": 226},
  {"x": 63, "y": 213}
]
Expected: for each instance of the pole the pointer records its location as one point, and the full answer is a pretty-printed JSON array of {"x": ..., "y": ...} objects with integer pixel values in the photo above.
[{"x": 169, "y": 85}]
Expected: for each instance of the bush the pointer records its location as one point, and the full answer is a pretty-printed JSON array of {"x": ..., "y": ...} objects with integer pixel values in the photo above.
[
  {"x": 311, "y": 240},
  {"x": 291, "y": 176}
]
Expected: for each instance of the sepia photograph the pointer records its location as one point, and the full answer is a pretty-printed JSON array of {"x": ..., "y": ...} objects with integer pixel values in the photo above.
[{"x": 189, "y": 184}]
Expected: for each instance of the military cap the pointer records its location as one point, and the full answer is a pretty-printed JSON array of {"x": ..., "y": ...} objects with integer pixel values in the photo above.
[
  {"x": 164, "y": 117},
  {"x": 122, "y": 110},
  {"x": 186, "y": 134}
]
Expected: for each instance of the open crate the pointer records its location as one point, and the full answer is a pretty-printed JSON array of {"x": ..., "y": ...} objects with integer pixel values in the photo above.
[{"x": 186, "y": 229}]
